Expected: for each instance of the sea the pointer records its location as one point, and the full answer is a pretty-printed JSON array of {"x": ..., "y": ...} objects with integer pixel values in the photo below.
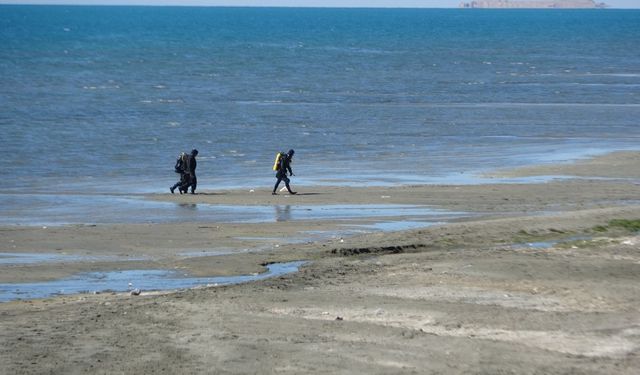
[{"x": 98, "y": 101}]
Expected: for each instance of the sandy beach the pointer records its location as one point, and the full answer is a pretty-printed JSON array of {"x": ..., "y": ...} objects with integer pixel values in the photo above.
[{"x": 514, "y": 278}]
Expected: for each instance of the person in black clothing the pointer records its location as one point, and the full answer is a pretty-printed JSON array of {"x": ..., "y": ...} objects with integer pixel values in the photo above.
[
  {"x": 180, "y": 167},
  {"x": 190, "y": 172},
  {"x": 281, "y": 174}
]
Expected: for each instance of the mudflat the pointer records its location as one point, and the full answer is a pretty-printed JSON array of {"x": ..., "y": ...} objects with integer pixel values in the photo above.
[{"x": 533, "y": 278}]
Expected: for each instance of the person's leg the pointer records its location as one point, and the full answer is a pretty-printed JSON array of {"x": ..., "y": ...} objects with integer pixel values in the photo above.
[
  {"x": 177, "y": 184},
  {"x": 275, "y": 187},
  {"x": 194, "y": 184},
  {"x": 185, "y": 184},
  {"x": 173, "y": 188},
  {"x": 286, "y": 183}
]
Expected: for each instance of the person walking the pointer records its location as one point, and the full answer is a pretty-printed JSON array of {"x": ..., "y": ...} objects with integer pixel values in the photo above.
[
  {"x": 190, "y": 171},
  {"x": 180, "y": 167},
  {"x": 283, "y": 166}
]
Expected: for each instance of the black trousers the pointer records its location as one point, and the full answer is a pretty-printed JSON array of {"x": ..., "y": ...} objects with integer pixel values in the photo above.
[
  {"x": 184, "y": 179},
  {"x": 190, "y": 180},
  {"x": 284, "y": 178}
]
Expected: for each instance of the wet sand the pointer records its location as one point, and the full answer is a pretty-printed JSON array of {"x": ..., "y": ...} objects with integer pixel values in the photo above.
[{"x": 474, "y": 295}]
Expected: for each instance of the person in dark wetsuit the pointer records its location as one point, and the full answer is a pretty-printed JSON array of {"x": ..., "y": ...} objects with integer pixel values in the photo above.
[
  {"x": 281, "y": 174},
  {"x": 190, "y": 171},
  {"x": 181, "y": 166}
]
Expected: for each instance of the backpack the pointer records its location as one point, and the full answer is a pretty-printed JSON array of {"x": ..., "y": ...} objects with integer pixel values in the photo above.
[
  {"x": 276, "y": 163},
  {"x": 181, "y": 163}
]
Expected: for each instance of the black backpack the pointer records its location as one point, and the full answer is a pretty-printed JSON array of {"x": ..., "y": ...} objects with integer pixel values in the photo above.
[{"x": 181, "y": 163}]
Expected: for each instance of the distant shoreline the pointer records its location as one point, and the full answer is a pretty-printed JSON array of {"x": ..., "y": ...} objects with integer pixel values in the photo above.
[
  {"x": 534, "y": 4},
  {"x": 291, "y": 7}
]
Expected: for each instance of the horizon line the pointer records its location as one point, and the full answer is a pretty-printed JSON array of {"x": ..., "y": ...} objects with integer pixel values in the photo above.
[{"x": 295, "y": 6}]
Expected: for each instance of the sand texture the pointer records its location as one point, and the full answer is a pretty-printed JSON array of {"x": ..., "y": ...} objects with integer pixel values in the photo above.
[{"x": 533, "y": 279}]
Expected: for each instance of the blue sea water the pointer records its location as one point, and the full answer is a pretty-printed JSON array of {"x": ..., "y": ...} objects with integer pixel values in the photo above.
[{"x": 102, "y": 99}]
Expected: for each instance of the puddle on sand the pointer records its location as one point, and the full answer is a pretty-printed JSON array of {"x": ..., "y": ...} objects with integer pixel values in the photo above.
[
  {"x": 34, "y": 258},
  {"x": 345, "y": 230},
  {"x": 52, "y": 209},
  {"x": 395, "y": 226},
  {"x": 548, "y": 244},
  {"x": 355, "y": 229},
  {"x": 210, "y": 253},
  {"x": 536, "y": 245},
  {"x": 122, "y": 281}
]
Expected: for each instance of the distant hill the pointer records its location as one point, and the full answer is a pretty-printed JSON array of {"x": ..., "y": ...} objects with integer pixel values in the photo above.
[{"x": 533, "y": 4}]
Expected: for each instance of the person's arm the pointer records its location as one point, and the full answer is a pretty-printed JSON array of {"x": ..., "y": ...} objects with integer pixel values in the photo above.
[{"x": 289, "y": 167}]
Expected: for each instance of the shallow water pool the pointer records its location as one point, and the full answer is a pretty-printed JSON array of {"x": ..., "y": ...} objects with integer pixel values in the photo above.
[{"x": 122, "y": 281}]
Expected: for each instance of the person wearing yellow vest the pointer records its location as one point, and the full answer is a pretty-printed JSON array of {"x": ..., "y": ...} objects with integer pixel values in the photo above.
[{"x": 282, "y": 166}]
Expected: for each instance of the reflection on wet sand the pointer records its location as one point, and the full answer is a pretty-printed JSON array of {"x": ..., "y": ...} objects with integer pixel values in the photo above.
[{"x": 283, "y": 213}]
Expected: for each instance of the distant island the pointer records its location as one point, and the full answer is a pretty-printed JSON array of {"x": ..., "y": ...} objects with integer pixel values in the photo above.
[{"x": 534, "y": 4}]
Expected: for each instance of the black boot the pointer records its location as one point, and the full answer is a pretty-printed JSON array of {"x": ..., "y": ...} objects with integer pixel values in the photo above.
[{"x": 289, "y": 189}]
